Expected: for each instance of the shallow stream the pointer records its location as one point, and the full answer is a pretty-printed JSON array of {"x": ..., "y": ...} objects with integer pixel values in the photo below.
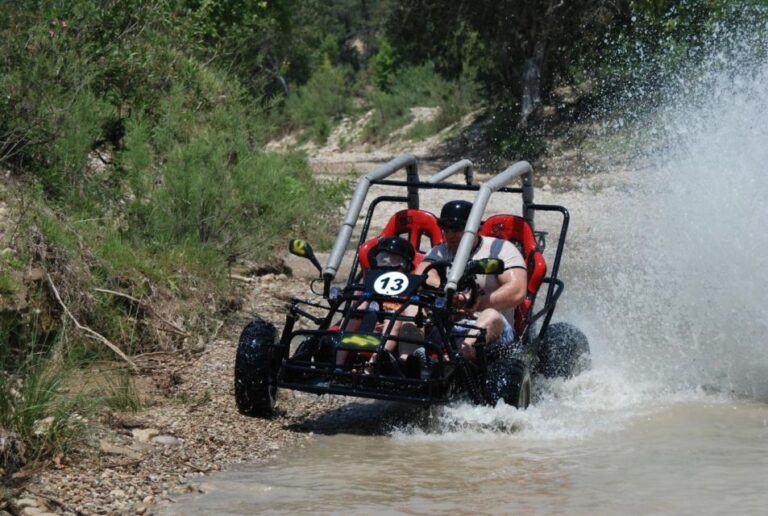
[{"x": 685, "y": 457}]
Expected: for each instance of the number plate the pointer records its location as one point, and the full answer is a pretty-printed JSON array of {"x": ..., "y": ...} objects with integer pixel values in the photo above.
[{"x": 392, "y": 283}]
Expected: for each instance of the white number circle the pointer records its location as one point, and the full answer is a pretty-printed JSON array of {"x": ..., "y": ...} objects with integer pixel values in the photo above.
[{"x": 391, "y": 283}]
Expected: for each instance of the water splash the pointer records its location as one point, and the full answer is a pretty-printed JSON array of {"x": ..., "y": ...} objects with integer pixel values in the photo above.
[
  {"x": 600, "y": 400},
  {"x": 674, "y": 297},
  {"x": 680, "y": 288}
]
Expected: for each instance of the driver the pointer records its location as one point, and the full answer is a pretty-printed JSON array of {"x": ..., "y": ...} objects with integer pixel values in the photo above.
[{"x": 498, "y": 295}]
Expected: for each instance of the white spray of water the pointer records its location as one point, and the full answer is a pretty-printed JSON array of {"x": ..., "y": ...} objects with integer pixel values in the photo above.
[
  {"x": 712, "y": 214},
  {"x": 600, "y": 400},
  {"x": 682, "y": 294},
  {"x": 675, "y": 296}
]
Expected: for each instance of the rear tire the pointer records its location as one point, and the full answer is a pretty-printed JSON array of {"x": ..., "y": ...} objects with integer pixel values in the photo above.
[
  {"x": 508, "y": 379},
  {"x": 255, "y": 371},
  {"x": 564, "y": 351}
]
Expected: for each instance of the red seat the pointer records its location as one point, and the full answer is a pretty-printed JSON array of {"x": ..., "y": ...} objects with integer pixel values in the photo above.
[
  {"x": 517, "y": 230},
  {"x": 413, "y": 225}
]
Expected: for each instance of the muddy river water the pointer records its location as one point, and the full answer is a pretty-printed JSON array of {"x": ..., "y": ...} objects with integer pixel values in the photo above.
[
  {"x": 696, "y": 456},
  {"x": 666, "y": 271}
]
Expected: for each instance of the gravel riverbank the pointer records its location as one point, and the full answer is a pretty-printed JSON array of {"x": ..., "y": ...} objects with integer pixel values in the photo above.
[{"x": 134, "y": 461}]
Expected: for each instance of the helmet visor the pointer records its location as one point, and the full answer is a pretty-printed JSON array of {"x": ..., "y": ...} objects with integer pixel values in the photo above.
[{"x": 389, "y": 259}]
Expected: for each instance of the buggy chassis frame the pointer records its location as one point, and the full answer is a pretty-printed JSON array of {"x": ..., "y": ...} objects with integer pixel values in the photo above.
[{"x": 312, "y": 367}]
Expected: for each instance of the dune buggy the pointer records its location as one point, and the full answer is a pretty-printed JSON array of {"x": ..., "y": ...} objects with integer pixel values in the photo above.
[{"x": 326, "y": 346}]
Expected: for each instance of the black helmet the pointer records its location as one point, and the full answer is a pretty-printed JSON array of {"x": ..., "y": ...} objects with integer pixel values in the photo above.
[
  {"x": 455, "y": 213},
  {"x": 393, "y": 247}
]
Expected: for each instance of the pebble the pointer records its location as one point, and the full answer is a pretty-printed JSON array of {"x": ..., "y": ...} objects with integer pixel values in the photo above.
[
  {"x": 168, "y": 440},
  {"x": 143, "y": 435}
]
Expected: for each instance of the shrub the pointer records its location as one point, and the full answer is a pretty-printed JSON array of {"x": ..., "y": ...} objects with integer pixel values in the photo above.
[
  {"x": 419, "y": 86},
  {"x": 383, "y": 66},
  {"x": 316, "y": 105},
  {"x": 43, "y": 406},
  {"x": 213, "y": 186},
  {"x": 40, "y": 420}
]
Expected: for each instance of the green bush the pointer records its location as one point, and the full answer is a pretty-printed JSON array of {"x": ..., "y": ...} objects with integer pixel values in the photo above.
[
  {"x": 211, "y": 185},
  {"x": 112, "y": 113},
  {"x": 35, "y": 410},
  {"x": 390, "y": 112},
  {"x": 383, "y": 66},
  {"x": 419, "y": 86},
  {"x": 321, "y": 101},
  {"x": 69, "y": 73},
  {"x": 43, "y": 407}
]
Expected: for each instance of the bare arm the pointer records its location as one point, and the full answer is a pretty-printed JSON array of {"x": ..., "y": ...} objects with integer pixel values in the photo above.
[
  {"x": 511, "y": 291},
  {"x": 433, "y": 278}
]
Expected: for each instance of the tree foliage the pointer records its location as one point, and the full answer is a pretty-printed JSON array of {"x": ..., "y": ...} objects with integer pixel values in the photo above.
[
  {"x": 517, "y": 48},
  {"x": 521, "y": 50}
]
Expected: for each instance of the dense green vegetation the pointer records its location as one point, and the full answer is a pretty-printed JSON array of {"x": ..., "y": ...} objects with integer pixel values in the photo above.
[{"x": 133, "y": 134}]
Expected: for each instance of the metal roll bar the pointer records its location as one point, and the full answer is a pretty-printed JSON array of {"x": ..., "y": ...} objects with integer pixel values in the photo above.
[
  {"x": 464, "y": 165},
  {"x": 521, "y": 168},
  {"x": 407, "y": 161}
]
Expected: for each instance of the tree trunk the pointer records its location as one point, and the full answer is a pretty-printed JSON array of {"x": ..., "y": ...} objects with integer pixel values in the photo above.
[{"x": 531, "y": 91}]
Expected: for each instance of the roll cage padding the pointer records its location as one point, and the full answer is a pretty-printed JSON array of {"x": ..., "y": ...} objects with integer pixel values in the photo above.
[
  {"x": 409, "y": 224},
  {"x": 518, "y": 230}
]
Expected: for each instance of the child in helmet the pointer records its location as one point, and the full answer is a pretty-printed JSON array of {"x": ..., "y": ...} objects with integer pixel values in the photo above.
[{"x": 393, "y": 254}]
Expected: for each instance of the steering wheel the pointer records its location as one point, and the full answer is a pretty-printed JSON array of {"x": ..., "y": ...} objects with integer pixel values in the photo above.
[
  {"x": 442, "y": 270},
  {"x": 467, "y": 284}
]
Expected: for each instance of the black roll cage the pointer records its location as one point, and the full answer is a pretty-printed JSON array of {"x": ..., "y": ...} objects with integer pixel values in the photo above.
[{"x": 322, "y": 377}]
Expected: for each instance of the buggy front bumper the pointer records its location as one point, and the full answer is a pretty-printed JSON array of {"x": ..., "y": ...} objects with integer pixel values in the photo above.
[{"x": 323, "y": 380}]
